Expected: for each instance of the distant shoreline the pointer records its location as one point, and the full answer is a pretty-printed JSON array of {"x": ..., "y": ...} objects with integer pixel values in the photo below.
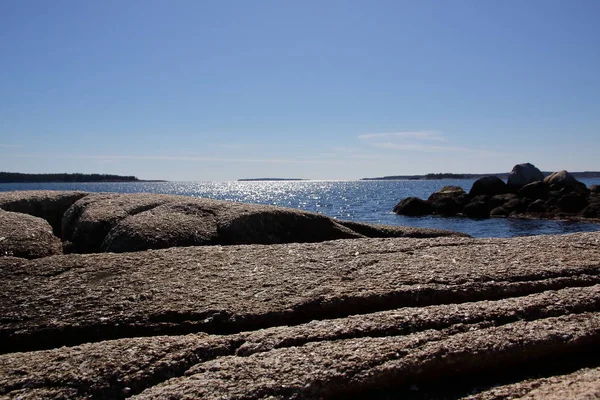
[
  {"x": 17, "y": 177},
  {"x": 502, "y": 175}
]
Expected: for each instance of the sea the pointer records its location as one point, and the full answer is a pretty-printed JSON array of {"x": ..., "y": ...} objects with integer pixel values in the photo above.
[{"x": 362, "y": 201}]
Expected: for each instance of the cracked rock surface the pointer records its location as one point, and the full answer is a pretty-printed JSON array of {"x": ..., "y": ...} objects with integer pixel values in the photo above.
[
  {"x": 47, "y": 204},
  {"x": 384, "y": 318}
]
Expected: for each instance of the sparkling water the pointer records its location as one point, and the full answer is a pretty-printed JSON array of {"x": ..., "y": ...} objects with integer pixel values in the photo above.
[{"x": 363, "y": 201}]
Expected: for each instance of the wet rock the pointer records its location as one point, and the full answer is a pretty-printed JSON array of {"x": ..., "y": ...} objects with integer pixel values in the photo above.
[
  {"x": 572, "y": 202},
  {"x": 591, "y": 211},
  {"x": 534, "y": 191},
  {"x": 501, "y": 199},
  {"x": 26, "y": 236},
  {"x": 489, "y": 186},
  {"x": 47, "y": 204},
  {"x": 499, "y": 212},
  {"x": 448, "y": 206},
  {"x": 516, "y": 206},
  {"x": 477, "y": 209},
  {"x": 523, "y": 174},
  {"x": 538, "y": 206},
  {"x": 413, "y": 207}
]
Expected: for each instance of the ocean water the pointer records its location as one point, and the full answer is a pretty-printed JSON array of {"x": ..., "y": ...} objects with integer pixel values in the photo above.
[{"x": 363, "y": 201}]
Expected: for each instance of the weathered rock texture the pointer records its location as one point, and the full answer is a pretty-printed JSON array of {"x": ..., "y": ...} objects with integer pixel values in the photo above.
[
  {"x": 133, "y": 222},
  {"x": 25, "y": 236},
  {"x": 527, "y": 194},
  {"x": 368, "y": 318},
  {"x": 47, "y": 204}
]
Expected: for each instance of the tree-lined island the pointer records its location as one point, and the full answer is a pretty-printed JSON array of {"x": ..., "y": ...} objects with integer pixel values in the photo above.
[
  {"x": 446, "y": 175},
  {"x": 16, "y": 177}
]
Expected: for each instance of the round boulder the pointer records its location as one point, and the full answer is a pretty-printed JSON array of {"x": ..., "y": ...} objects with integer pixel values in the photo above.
[
  {"x": 477, "y": 209},
  {"x": 499, "y": 212},
  {"x": 447, "y": 191},
  {"x": 413, "y": 207},
  {"x": 572, "y": 202},
  {"x": 595, "y": 188},
  {"x": 561, "y": 178},
  {"x": 538, "y": 206},
  {"x": 168, "y": 225},
  {"x": 523, "y": 174},
  {"x": 534, "y": 191},
  {"x": 489, "y": 186},
  {"x": 448, "y": 201},
  {"x": 591, "y": 211},
  {"x": 500, "y": 199},
  {"x": 26, "y": 236},
  {"x": 449, "y": 206}
]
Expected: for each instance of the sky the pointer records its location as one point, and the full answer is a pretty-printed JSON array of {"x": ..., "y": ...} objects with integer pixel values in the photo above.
[{"x": 220, "y": 90}]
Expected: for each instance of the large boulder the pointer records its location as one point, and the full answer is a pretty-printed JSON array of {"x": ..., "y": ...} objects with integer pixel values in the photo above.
[
  {"x": 167, "y": 225},
  {"x": 447, "y": 191},
  {"x": 523, "y": 174},
  {"x": 26, "y": 236},
  {"x": 47, "y": 204},
  {"x": 477, "y": 209},
  {"x": 591, "y": 211},
  {"x": 561, "y": 178},
  {"x": 534, "y": 191},
  {"x": 448, "y": 201},
  {"x": 501, "y": 199},
  {"x": 134, "y": 222},
  {"x": 367, "y": 318},
  {"x": 537, "y": 207},
  {"x": 572, "y": 202},
  {"x": 488, "y": 186},
  {"x": 131, "y": 222},
  {"x": 413, "y": 207}
]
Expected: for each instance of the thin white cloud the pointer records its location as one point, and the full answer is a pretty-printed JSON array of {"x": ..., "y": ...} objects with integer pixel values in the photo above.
[
  {"x": 420, "y": 141},
  {"x": 419, "y": 147},
  {"x": 418, "y": 135}
]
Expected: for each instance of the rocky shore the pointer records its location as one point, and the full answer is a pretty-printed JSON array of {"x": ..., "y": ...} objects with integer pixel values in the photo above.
[
  {"x": 173, "y": 297},
  {"x": 526, "y": 194}
]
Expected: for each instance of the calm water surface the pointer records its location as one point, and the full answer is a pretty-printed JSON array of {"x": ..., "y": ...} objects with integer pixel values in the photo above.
[{"x": 365, "y": 201}]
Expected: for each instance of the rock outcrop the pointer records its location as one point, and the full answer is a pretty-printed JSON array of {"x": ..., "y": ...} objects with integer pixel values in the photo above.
[
  {"x": 26, "y": 236},
  {"x": 558, "y": 196},
  {"x": 47, "y": 204},
  {"x": 134, "y": 222},
  {"x": 369, "y": 318}
]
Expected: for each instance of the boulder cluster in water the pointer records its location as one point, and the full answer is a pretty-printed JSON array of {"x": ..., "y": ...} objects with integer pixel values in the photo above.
[{"x": 527, "y": 193}]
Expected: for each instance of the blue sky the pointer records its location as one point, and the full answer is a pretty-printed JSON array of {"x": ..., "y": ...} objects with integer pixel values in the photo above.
[{"x": 220, "y": 90}]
